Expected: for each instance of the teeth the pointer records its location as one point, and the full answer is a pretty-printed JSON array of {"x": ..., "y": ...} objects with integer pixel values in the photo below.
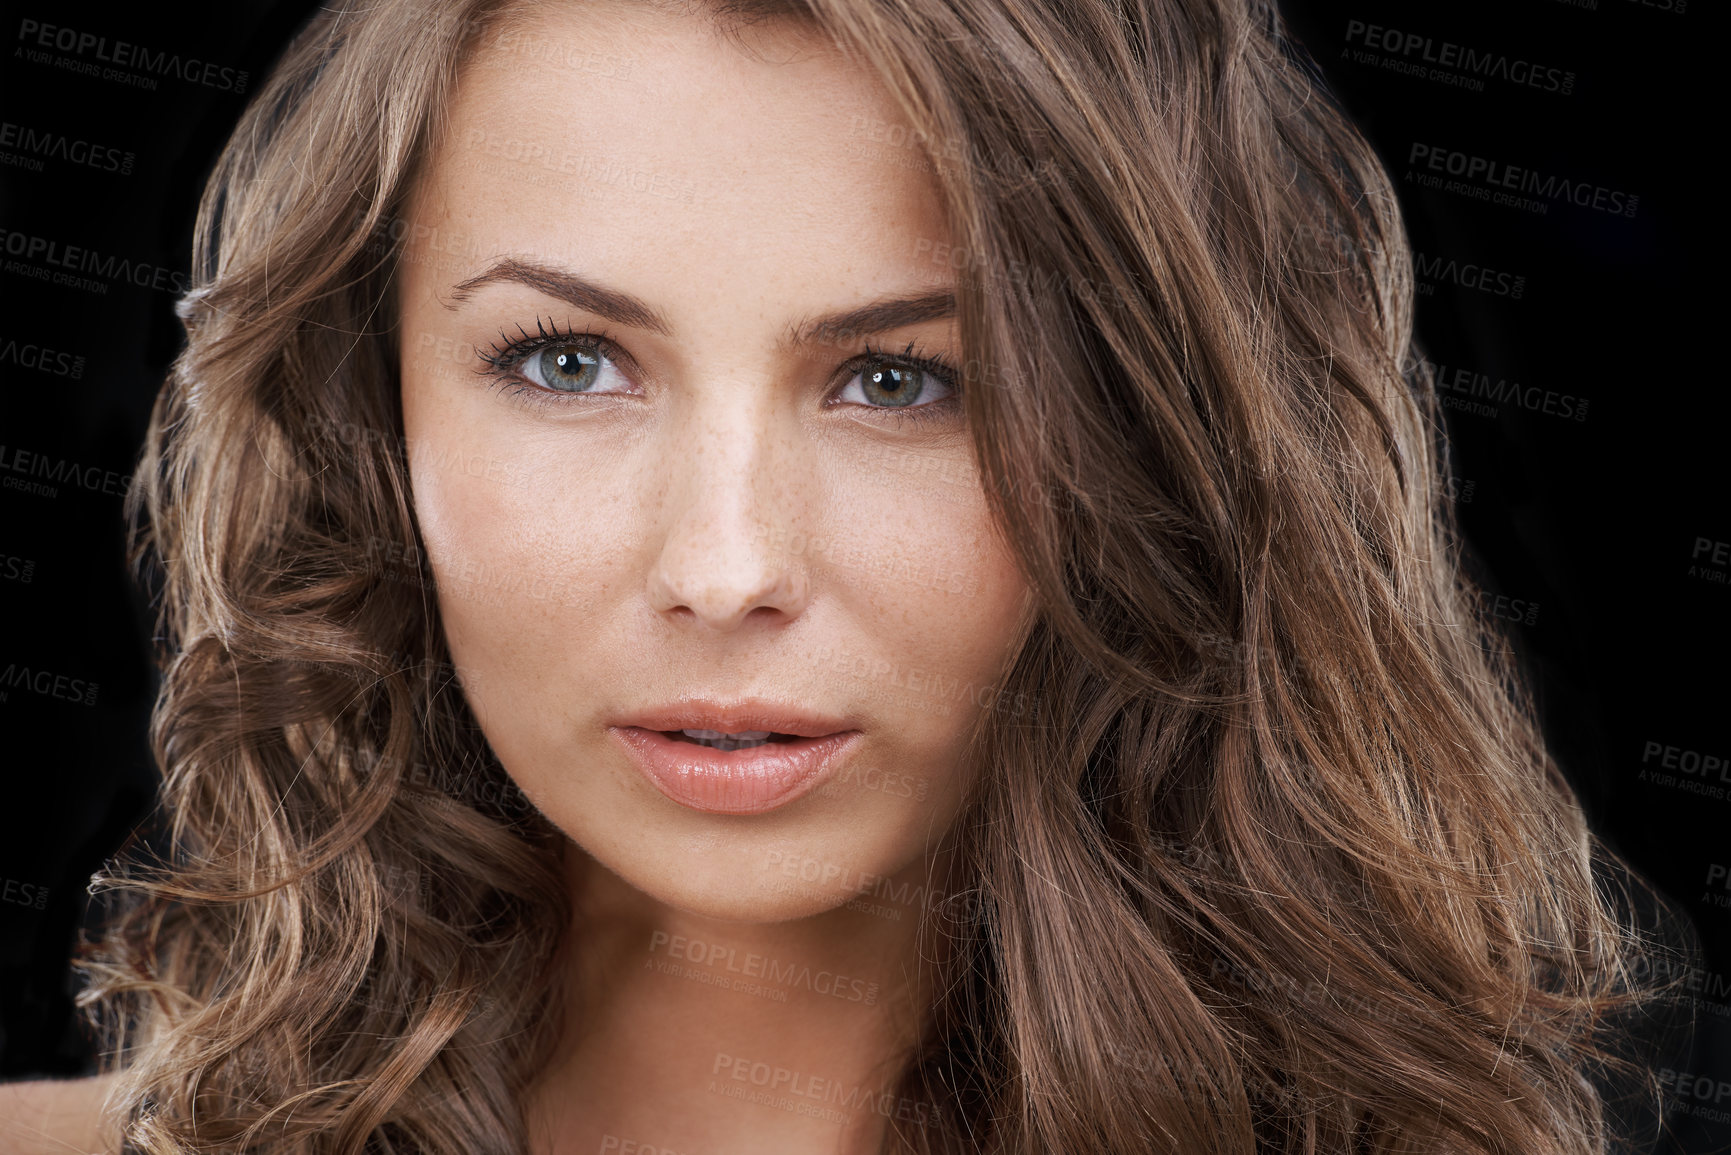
[{"x": 715, "y": 739}]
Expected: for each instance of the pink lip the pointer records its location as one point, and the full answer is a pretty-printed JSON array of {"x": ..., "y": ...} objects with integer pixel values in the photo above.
[{"x": 749, "y": 781}]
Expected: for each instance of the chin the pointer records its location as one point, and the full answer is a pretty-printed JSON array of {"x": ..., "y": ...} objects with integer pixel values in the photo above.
[
  {"x": 863, "y": 855},
  {"x": 750, "y": 901}
]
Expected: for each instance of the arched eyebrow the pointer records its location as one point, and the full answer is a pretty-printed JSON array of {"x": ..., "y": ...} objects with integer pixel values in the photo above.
[
  {"x": 877, "y": 317},
  {"x": 564, "y": 285},
  {"x": 624, "y": 309}
]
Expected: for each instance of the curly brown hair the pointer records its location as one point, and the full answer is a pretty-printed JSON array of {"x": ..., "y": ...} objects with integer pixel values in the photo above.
[{"x": 1275, "y": 860}]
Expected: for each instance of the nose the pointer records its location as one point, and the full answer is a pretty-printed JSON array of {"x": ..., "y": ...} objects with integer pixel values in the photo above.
[{"x": 735, "y": 490}]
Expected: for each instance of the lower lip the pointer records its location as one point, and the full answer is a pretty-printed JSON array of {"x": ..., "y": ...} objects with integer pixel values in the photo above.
[{"x": 749, "y": 781}]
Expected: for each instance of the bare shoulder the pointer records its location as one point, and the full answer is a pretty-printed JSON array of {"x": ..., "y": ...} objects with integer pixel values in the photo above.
[{"x": 56, "y": 1117}]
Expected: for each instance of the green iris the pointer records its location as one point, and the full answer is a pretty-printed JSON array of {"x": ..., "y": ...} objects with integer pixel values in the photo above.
[
  {"x": 570, "y": 368},
  {"x": 891, "y": 385}
]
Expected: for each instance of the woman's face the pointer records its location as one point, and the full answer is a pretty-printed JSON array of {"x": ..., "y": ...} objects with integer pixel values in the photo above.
[{"x": 722, "y": 513}]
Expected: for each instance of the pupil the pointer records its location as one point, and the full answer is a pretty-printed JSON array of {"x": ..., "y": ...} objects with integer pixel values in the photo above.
[
  {"x": 569, "y": 367},
  {"x": 892, "y": 384}
]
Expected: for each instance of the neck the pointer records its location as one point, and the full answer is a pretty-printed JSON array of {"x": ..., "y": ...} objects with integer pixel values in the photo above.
[{"x": 686, "y": 1034}]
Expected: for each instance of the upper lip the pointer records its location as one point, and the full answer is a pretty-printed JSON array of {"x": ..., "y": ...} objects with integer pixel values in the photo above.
[{"x": 734, "y": 717}]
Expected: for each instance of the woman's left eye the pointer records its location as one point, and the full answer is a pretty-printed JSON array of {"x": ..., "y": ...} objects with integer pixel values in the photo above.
[{"x": 887, "y": 383}]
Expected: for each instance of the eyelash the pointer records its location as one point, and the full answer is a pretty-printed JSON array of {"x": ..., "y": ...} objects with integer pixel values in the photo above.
[{"x": 502, "y": 359}]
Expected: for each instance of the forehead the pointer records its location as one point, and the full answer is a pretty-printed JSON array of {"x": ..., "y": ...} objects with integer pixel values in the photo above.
[{"x": 605, "y": 136}]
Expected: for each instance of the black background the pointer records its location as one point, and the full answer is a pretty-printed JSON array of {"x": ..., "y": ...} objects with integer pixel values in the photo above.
[{"x": 1598, "y": 533}]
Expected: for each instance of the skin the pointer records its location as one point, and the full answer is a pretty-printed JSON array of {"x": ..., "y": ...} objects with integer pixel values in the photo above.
[
  {"x": 57, "y": 1117},
  {"x": 723, "y": 515}
]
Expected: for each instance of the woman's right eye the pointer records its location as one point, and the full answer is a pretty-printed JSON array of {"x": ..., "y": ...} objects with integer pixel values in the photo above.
[{"x": 568, "y": 367}]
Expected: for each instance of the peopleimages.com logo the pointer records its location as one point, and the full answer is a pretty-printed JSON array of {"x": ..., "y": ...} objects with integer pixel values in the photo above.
[
  {"x": 1433, "y": 270},
  {"x": 1458, "y": 63},
  {"x": 34, "y": 145},
  {"x": 73, "y": 260},
  {"x": 38, "y": 39},
  {"x": 1517, "y": 178},
  {"x": 18, "y": 465}
]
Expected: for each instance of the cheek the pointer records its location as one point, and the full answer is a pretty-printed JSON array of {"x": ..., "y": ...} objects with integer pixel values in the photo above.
[
  {"x": 537, "y": 535},
  {"x": 934, "y": 595},
  {"x": 528, "y": 545}
]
